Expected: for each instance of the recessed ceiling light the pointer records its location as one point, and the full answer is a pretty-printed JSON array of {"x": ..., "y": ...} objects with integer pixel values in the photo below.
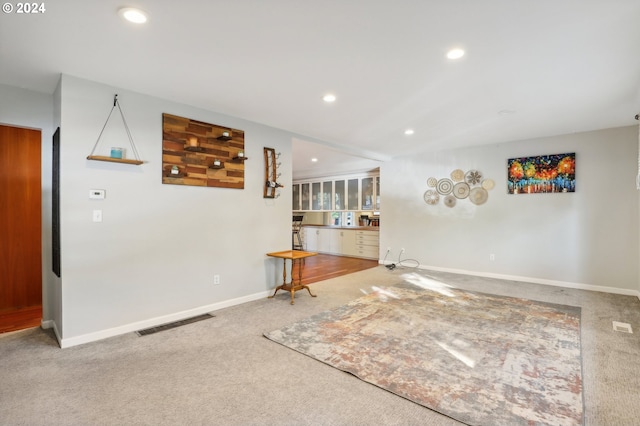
[
  {"x": 314, "y": 160},
  {"x": 409, "y": 132},
  {"x": 134, "y": 15},
  {"x": 455, "y": 54},
  {"x": 329, "y": 97}
]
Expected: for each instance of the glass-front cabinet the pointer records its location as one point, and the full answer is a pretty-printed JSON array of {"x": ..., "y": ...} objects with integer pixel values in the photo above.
[
  {"x": 327, "y": 194},
  {"x": 316, "y": 196},
  {"x": 296, "y": 197},
  {"x": 338, "y": 194},
  {"x": 305, "y": 197},
  {"x": 377, "y": 179},
  {"x": 367, "y": 193},
  {"x": 348, "y": 193},
  {"x": 352, "y": 194}
]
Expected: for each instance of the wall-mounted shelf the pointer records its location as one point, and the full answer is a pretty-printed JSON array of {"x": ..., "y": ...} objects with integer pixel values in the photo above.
[
  {"x": 193, "y": 146},
  {"x": 114, "y": 160},
  {"x": 240, "y": 158},
  {"x": 137, "y": 160},
  {"x": 271, "y": 173}
]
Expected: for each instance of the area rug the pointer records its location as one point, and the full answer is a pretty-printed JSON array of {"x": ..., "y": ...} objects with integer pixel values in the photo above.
[{"x": 478, "y": 358}]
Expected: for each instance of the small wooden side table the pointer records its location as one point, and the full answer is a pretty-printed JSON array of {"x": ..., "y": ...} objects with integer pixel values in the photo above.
[{"x": 292, "y": 286}]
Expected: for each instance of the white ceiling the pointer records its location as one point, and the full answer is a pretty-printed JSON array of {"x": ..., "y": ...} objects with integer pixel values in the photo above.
[{"x": 560, "y": 66}]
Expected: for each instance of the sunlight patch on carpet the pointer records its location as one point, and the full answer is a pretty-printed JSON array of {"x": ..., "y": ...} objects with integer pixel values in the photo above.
[{"x": 477, "y": 358}]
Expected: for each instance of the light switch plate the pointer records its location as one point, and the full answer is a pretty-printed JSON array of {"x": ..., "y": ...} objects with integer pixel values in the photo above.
[{"x": 97, "y": 215}]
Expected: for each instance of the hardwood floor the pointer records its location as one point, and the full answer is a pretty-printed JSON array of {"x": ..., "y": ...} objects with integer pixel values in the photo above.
[
  {"x": 18, "y": 319},
  {"x": 325, "y": 266}
]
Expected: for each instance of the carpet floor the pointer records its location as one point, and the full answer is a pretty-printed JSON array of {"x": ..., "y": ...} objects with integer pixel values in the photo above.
[{"x": 224, "y": 372}]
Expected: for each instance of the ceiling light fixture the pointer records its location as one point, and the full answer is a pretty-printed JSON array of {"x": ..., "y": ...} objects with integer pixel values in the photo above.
[
  {"x": 314, "y": 160},
  {"x": 455, "y": 54},
  {"x": 409, "y": 132},
  {"x": 134, "y": 15},
  {"x": 329, "y": 98}
]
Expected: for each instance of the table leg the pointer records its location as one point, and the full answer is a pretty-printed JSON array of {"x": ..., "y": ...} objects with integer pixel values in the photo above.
[{"x": 300, "y": 263}]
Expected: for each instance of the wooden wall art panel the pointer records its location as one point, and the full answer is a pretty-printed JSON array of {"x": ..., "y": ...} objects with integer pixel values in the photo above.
[{"x": 201, "y": 154}]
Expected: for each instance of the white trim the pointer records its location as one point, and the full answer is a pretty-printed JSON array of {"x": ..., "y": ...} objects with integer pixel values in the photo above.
[
  {"x": 153, "y": 322},
  {"x": 565, "y": 284},
  {"x": 52, "y": 324}
]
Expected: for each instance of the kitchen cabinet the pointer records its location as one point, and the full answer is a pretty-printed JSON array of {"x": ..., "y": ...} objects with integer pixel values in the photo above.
[
  {"x": 377, "y": 185},
  {"x": 305, "y": 197},
  {"x": 352, "y": 195},
  {"x": 310, "y": 238},
  {"x": 327, "y": 194},
  {"x": 296, "y": 197},
  {"x": 349, "y": 243},
  {"x": 367, "y": 244},
  {"x": 342, "y": 242},
  {"x": 339, "y": 195},
  {"x": 325, "y": 236},
  {"x": 316, "y": 196},
  {"x": 349, "y": 193},
  {"x": 367, "y": 193}
]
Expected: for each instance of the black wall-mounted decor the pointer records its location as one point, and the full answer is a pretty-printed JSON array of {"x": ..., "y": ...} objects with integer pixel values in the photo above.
[{"x": 55, "y": 205}]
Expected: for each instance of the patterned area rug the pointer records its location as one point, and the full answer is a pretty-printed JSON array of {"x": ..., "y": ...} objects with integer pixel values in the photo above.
[{"x": 478, "y": 358}]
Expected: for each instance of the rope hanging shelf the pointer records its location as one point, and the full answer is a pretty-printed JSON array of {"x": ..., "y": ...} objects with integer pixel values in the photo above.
[{"x": 135, "y": 161}]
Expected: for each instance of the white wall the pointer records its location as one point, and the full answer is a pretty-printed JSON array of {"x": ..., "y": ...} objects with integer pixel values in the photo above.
[
  {"x": 584, "y": 239},
  {"x": 154, "y": 255},
  {"x": 26, "y": 108}
]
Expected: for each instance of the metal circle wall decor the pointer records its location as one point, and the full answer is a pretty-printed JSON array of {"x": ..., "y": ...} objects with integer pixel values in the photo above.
[
  {"x": 431, "y": 197},
  {"x": 457, "y": 175},
  {"x": 450, "y": 201},
  {"x": 488, "y": 184},
  {"x": 460, "y": 185},
  {"x": 461, "y": 190},
  {"x": 478, "y": 196},
  {"x": 445, "y": 186},
  {"x": 473, "y": 177}
]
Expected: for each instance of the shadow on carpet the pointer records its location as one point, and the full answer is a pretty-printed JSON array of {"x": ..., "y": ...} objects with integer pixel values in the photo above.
[{"x": 478, "y": 358}]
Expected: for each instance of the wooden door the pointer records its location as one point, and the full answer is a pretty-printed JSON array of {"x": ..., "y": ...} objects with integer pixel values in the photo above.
[{"x": 20, "y": 228}]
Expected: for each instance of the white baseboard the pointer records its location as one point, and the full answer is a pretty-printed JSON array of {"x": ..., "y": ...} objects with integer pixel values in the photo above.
[
  {"x": 533, "y": 280},
  {"x": 46, "y": 324},
  {"x": 154, "y": 322}
]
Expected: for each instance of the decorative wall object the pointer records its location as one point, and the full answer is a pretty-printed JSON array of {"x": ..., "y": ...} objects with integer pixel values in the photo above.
[
  {"x": 117, "y": 154},
  {"x": 55, "y": 205},
  {"x": 271, "y": 174},
  {"x": 201, "y": 154},
  {"x": 461, "y": 185},
  {"x": 542, "y": 174}
]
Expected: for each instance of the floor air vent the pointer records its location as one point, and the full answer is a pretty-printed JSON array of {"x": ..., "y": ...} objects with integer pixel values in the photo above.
[
  {"x": 622, "y": 327},
  {"x": 171, "y": 325}
]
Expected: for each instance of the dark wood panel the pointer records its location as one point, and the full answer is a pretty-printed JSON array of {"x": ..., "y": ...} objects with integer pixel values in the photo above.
[
  {"x": 20, "y": 219},
  {"x": 19, "y": 319}
]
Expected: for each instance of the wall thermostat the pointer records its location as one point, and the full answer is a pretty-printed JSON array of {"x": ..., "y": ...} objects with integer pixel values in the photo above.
[{"x": 96, "y": 194}]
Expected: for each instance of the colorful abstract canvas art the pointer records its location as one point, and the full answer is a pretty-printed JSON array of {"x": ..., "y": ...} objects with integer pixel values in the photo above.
[{"x": 542, "y": 174}]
